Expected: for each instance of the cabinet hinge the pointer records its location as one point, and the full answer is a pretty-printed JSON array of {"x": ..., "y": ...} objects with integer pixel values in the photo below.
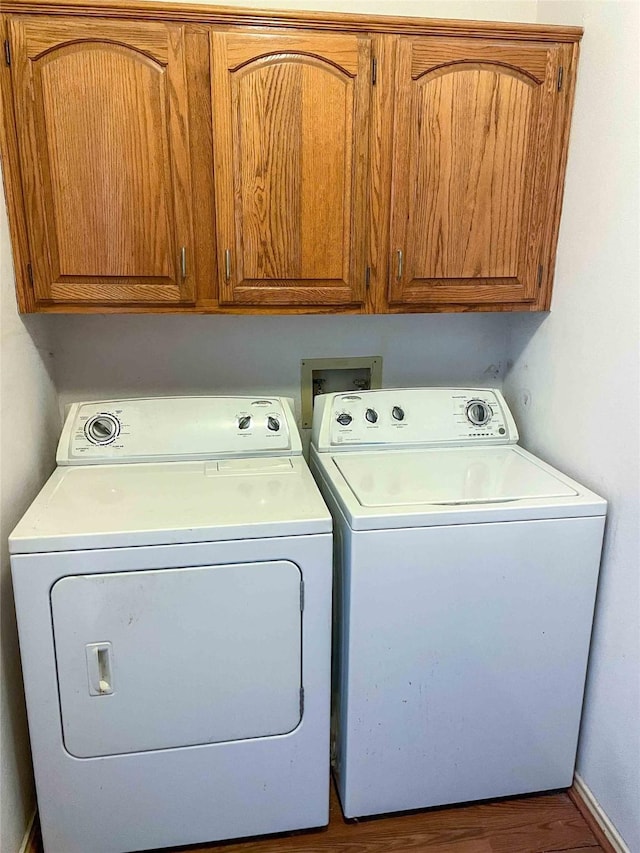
[
  {"x": 301, "y": 701},
  {"x": 30, "y": 274},
  {"x": 560, "y": 78},
  {"x": 374, "y": 70},
  {"x": 301, "y": 596},
  {"x": 367, "y": 278},
  {"x": 540, "y": 271},
  {"x": 7, "y": 52}
]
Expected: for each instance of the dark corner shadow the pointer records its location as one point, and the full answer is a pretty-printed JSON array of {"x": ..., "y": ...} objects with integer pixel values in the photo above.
[
  {"x": 523, "y": 329},
  {"x": 40, "y": 330}
]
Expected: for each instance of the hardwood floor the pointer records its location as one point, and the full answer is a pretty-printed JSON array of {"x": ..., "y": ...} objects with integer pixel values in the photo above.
[{"x": 547, "y": 823}]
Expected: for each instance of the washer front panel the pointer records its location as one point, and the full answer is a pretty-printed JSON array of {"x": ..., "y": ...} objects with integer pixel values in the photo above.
[
  {"x": 192, "y": 655},
  {"x": 462, "y": 660}
]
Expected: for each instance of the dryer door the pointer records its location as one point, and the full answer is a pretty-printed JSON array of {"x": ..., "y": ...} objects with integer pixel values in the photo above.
[{"x": 176, "y": 657}]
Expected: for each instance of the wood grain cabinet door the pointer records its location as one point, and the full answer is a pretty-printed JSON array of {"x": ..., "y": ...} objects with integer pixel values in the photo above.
[
  {"x": 474, "y": 170},
  {"x": 290, "y": 138},
  {"x": 102, "y": 128}
]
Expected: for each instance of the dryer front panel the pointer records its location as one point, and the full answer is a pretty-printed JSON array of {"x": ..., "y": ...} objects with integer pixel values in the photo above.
[{"x": 167, "y": 658}]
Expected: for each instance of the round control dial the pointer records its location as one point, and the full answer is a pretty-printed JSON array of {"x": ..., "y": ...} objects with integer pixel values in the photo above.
[
  {"x": 344, "y": 419},
  {"x": 273, "y": 424},
  {"x": 102, "y": 428},
  {"x": 398, "y": 413},
  {"x": 244, "y": 421},
  {"x": 478, "y": 412},
  {"x": 371, "y": 415}
]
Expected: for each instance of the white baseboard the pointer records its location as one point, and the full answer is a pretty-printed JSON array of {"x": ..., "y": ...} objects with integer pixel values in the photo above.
[
  {"x": 599, "y": 815},
  {"x": 27, "y": 836}
]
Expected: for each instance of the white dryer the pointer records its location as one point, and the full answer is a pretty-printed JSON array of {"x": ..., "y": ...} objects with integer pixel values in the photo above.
[
  {"x": 173, "y": 592},
  {"x": 465, "y": 582}
]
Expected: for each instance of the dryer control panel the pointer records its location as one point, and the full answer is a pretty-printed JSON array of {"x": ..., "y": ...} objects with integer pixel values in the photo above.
[
  {"x": 413, "y": 417},
  {"x": 174, "y": 429}
]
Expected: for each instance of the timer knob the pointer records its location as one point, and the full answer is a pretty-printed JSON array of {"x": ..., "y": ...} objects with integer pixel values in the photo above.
[
  {"x": 398, "y": 413},
  {"x": 244, "y": 422},
  {"x": 371, "y": 415},
  {"x": 273, "y": 423},
  {"x": 478, "y": 412},
  {"x": 344, "y": 419},
  {"x": 102, "y": 429}
]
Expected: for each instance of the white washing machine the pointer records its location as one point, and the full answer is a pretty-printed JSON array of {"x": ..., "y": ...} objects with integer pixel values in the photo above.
[
  {"x": 173, "y": 591},
  {"x": 465, "y": 582}
]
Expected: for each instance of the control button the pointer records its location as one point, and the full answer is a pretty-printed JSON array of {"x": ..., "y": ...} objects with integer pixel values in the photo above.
[
  {"x": 344, "y": 419},
  {"x": 398, "y": 413},
  {"x": 273, "y": 423},
  {"x": 102, "y": 428},
  {"x": 371, "y": 415},
  {"x": 502, "y": 430},
  {"x": 478, "y": 412},
  {"x": 244, "y": 422}
]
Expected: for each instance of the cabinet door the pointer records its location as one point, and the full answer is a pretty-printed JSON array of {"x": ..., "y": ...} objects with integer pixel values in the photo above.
[
  {"x": 473, "y": 138},
  {"x": 290, "y": 123},
  {"x": 102, "y": 121}
]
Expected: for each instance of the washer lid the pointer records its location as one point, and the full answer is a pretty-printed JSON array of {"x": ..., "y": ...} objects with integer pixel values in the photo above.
[
  {"x": 117, "y": 506},
  {"x": 456, "y": 476},
  {"x": 394, "y": 489}
]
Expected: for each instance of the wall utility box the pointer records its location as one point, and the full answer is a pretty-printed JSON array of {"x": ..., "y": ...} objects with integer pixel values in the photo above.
[{"x": 330, "y": 375}]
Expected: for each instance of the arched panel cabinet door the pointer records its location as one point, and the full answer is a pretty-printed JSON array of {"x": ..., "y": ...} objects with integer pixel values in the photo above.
[
  {"x": 474, "y": 177},
  {"x": 101, "y": 112},
  {"x": 290, "y": 139}
]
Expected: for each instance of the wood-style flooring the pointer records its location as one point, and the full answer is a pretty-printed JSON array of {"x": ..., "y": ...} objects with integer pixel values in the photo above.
[{"x": 548, "y": 823}]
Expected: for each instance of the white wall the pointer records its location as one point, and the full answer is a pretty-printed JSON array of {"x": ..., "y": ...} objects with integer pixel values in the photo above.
[
  {"x": 524, "y": 11},
  {"x": 575, "y": 383},
  {"x": 145, "y": 354},
  {"x": 29, "y": 425}
]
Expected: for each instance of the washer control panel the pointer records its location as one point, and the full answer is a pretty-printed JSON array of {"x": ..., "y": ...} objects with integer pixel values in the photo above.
[
  {"x": 178, "y": 428},
  {"x": 410, "y": 417}
]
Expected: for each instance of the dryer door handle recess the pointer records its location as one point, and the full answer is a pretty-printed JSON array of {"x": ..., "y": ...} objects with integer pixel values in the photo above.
[{"x": 99, "y": 668}]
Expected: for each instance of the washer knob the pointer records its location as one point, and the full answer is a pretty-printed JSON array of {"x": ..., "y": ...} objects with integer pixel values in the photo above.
[
  {"x": 398, "y": 413},
  {"x": 244, "y": 422},
  {"x": 344, "y": 419},
  {"x": 371, "y": 415},
  {"x": 273, "y": 424},
  {"x": 478, "y": 412}
]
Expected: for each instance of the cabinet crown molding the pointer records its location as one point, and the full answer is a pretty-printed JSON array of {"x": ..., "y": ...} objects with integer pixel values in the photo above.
[{"x": 325, "y": 21}]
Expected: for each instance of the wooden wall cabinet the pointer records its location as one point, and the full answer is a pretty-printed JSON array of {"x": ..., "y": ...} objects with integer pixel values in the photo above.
[
  {"x": 185, "y": 158},
  {"x": 474, "y": 171}
]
